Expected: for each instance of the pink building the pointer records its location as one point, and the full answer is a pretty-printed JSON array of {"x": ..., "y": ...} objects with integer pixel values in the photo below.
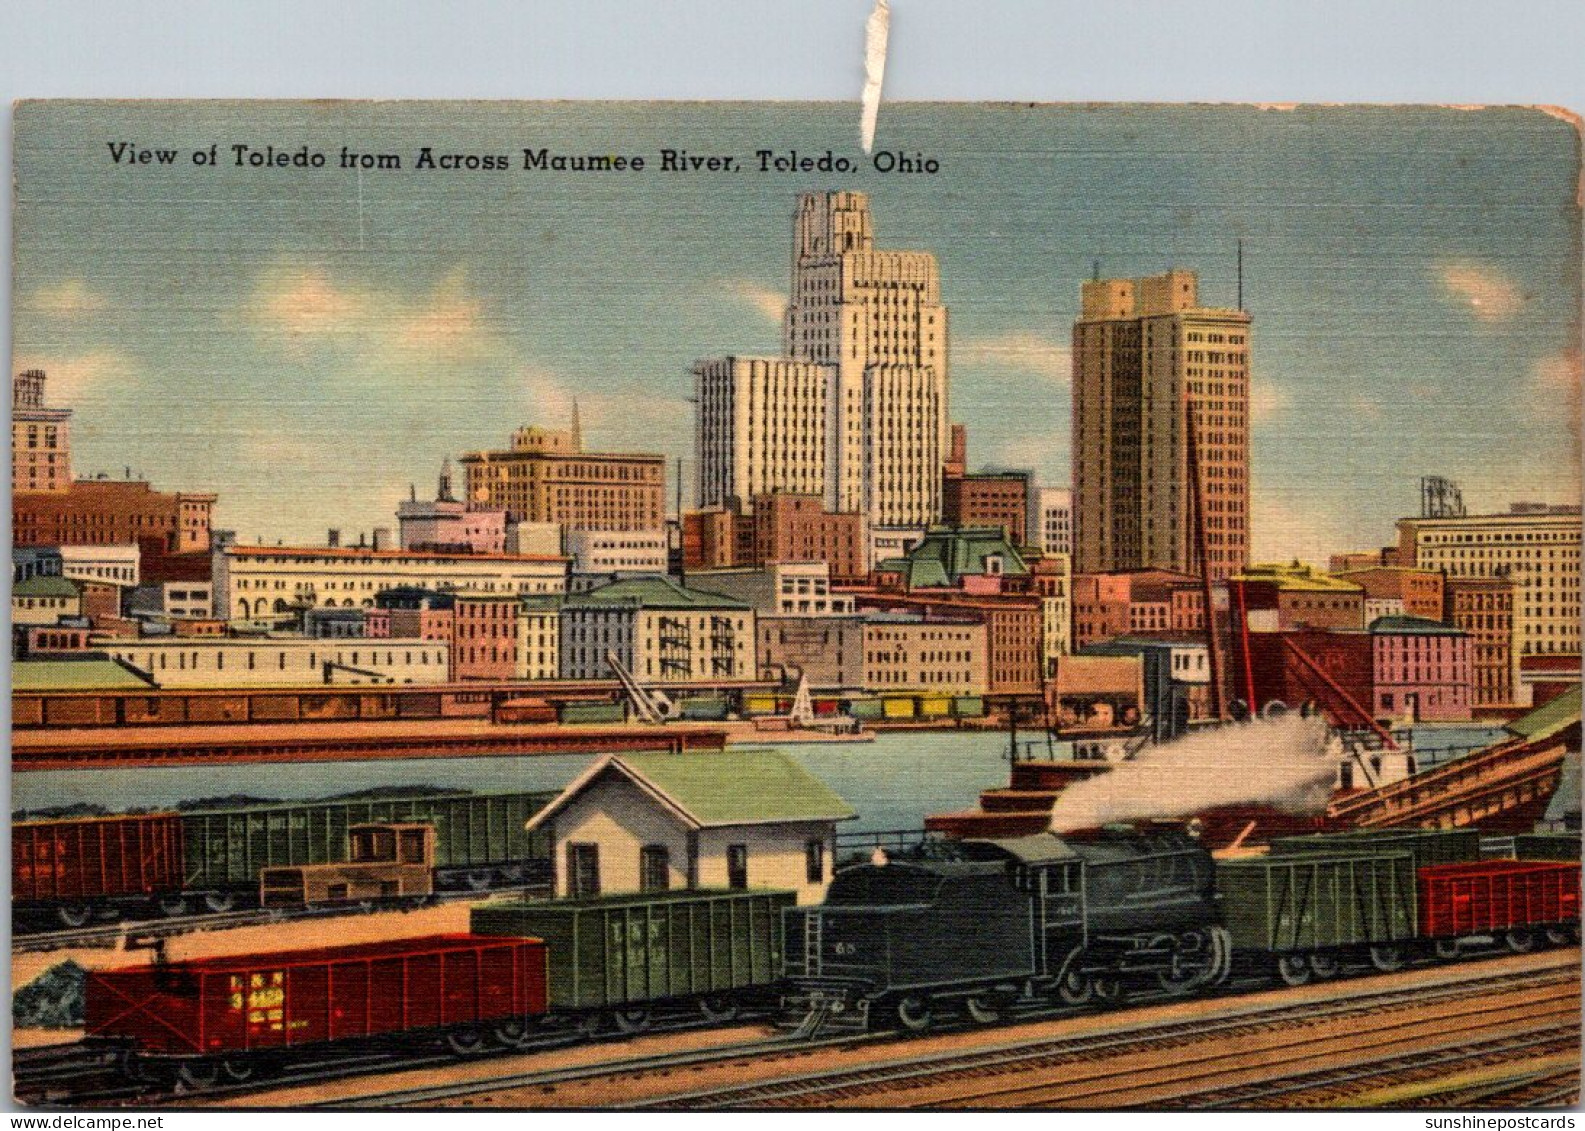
[
  {"x": 447, "y": 525},
  {"x": 1420, "y": 668},
  {"x": 484, "y": 643},
  {"x": 377, "y": 624}
]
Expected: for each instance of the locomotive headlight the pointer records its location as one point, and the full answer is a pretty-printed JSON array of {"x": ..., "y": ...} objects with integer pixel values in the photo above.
[{"x": 1195, "y": 827}]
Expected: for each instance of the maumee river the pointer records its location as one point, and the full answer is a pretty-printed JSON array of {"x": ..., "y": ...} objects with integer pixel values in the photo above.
[{"x": 893, "y": 782}]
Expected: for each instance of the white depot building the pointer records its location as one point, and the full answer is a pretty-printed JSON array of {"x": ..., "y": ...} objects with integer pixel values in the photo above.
[{"x": 856, "y": 409}]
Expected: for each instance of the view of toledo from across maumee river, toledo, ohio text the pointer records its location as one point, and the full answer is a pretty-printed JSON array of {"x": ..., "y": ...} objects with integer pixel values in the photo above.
[{"x": 585, "y": 605}]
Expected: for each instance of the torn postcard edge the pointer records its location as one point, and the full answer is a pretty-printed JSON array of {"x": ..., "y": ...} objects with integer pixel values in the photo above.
[{"x": 876, "y": 29}]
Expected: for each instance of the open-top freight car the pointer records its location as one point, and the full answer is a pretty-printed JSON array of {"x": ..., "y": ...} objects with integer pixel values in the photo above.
[
  {"x": 480, "y": 840},
  {"x": 1426, "y": 846},
  {"x": 69, "y": 868},
  {"x": 198, "y": 1020},
  {"x": 624, "y": 961},
  {"x": 1547, "y": 846}
]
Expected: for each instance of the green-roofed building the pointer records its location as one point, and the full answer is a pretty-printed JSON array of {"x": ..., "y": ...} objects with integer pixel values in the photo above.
[
  {"x": 45, "y": 600},
  {"x": 660, "y": 631},
  {"x": 721, "y": 819},
  {"x": 957, "y": 557}
]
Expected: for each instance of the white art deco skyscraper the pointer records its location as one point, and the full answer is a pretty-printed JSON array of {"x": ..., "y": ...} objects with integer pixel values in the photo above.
[{"x": 869, "y": 324}]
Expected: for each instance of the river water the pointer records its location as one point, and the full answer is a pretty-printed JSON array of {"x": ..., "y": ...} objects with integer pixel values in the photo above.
[{"x": 893, "y": 782}]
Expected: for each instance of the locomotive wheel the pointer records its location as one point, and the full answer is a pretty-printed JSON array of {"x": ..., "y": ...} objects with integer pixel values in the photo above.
[
  {"x": 74, "y": 914},
  {"x": 1076, "y": 988},
  {"x": 198, "y": 1074},
  {"x": 717, "y": 1008},
  {"x": 983, "y": 1010},
  {"x": 132, "y": 1067},
  {"x": 1325, "y": 966},
  {"x": 1520, "y": 940},
  {"x": 173, "y": 906},
  {"x": 631, "y": 1020},
  {"x": 511, "y": 1033},
  {"x": 1109, "y": 989},
  {"x": 465, "y": 1042},
  {"x": 1387, "y": 958},
  {"x": 220, "y": 901},
  {"x": 1294, "y": 969},
  {"x": 913, "y": 1013}
]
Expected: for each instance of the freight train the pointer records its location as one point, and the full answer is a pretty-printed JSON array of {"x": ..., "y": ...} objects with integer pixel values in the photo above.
[
  {"x": 1085, "y": 917},
  {"x": 976, "y": 930},
  {"x": 218, "y": 859}
]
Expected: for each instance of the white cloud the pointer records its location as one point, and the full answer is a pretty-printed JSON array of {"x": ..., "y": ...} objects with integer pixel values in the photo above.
[
  {"x": 1556, "y": 380},
  {"x": 71, "y": 298},
  {"x": 1266, "y": 402},
  {"x": 611, "y": 421},
  {"x": 771, "y": 305},
  {"x": 1483, "y": 290},
  {"x": 1018, "y": 352},
  {"x": 306, "y": 305}
]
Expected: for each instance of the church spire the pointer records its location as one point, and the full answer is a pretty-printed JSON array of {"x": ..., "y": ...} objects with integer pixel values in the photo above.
[{"x": 577, "y": 429}]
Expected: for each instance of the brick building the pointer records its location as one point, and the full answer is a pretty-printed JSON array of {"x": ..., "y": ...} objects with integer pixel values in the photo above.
[
  {"x": 1420, "y": 669},
  {"x": 927, "y": 651},
  {"x": 984, "y": 498},
  {"x": 1280, "y": 597},
  {"x": 106, "y": 512},
  {"x": 484, "y": 636},
  {"x": 546, "y": 476},
  {"x": 775, "y": 528},
  {"x": 1398, "y": 591},
  {"x": 828, "y": 651},
  {"x": 1483, "y": 607}
]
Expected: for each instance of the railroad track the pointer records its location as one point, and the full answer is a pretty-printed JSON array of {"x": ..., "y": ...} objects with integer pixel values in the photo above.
[
  {"x": 56, "y": 1074},
  {"x": 631, "y": 1066},
  {"x": 1019, "y": 1058},
  {"x": 108, "y": 936}
]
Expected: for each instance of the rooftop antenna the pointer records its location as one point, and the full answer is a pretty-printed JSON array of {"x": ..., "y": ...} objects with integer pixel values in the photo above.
[
  {"x": 577, "y": 428},
  {"x": 1240, "y": 274},
  {"x": 1095, "y": 270}
]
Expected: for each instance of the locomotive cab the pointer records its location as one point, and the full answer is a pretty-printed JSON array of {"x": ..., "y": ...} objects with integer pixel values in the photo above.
[{"x": 387, "y": 860}]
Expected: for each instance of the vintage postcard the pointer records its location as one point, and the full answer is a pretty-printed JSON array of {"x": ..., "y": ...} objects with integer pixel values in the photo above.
[{"x": 650, "y": 605}]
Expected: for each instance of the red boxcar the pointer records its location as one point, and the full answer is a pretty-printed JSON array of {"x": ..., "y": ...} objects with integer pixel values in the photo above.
[
  {"x": 1496, "y": 895},
  {"x": 96, "y": 858},
  {"x": 229, "y": 1005}
]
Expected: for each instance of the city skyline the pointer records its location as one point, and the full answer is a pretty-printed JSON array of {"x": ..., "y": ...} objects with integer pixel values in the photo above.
[{"x": 332, "y": 338}]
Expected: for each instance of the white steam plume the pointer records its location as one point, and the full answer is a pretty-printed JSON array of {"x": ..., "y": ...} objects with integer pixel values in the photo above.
[{"x": 1286, "y": 762}]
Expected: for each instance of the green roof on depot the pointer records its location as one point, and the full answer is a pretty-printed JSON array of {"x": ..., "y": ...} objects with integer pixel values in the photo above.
[
  {"x": 1550, "y": 717},
  {"x": 72, "y": 675},
  {"x": 715, "y": 788},
  {"x": 652, "y": 592},
  {"x": 45, "y": 587}
]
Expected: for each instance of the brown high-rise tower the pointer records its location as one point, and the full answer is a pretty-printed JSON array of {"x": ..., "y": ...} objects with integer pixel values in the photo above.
[{"x": 1149, "y": 361}]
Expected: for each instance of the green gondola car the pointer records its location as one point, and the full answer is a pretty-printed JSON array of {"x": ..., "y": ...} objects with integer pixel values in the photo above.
[
  {"x": 1546, "y": 846},
  {"x": 1429, "y": 846},
  {"x": 1306, "y": 911},
  {"x": 480, "y": 838},
  {"x": 629, "y": 952}
]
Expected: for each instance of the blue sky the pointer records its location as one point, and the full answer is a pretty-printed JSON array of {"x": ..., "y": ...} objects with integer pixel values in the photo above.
[{"x": 308, "y": 342}]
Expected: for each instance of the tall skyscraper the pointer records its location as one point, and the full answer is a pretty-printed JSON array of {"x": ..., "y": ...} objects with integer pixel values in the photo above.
[
  {"x": 41, "y": 454},
  {"x": 1149, "y": 364},
  {"x": 870, "y": 324}
]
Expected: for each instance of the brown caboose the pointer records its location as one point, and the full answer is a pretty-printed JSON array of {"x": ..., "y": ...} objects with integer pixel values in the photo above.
[{"x": 385, "y": 861}]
